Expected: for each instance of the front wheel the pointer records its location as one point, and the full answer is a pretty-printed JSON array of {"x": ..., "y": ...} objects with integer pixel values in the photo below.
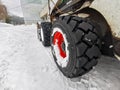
[{"x": 75, "y": 45}]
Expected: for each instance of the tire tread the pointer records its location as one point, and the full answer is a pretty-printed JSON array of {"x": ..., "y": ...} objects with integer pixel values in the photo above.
[{"x": 87, "y": 49}]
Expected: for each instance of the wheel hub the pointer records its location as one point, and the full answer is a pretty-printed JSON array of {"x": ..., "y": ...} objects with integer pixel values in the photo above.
[{"x": 59, "y": 41}]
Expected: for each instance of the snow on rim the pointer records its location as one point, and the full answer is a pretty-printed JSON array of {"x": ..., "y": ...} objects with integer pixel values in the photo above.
[
  {"x": 60, "y": 60},
  {"x": 42, "y": 35}
]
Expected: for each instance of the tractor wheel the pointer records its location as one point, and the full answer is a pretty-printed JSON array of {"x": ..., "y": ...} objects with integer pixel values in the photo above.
[
  {"x": 75, "y": 45},
  {"x": 45, "y": 33}
]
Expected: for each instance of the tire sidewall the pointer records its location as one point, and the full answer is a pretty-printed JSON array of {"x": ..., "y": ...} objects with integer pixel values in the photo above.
[{"x": 39, "y": 34}]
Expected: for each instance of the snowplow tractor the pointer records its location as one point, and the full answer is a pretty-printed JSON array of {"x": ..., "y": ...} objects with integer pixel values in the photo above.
[{"x": 79, "y": 32}]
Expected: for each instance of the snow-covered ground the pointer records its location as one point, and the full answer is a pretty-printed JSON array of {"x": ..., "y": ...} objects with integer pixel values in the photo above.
[{"x": 26, "y": 65}]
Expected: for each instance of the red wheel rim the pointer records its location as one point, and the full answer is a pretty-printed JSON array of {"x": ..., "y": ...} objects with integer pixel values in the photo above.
[{"x": 59, "y": 40}]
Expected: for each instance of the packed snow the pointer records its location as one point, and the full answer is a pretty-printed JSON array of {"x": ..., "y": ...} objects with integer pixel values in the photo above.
[{"x": 26, "y": 65}]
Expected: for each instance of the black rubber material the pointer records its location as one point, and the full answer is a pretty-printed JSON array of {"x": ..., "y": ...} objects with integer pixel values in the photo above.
[
  {"x": 46, "y": 26},
  {"x": 84, "y": 45},
  {"x": 106, "y": 34}
]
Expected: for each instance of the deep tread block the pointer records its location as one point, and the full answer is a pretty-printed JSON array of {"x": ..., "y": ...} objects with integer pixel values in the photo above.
[
  {"x": 90, "y": 38},
  {"x": 78, "y": 35},
  {"x": 81, "y": 62},
  {"x": 67, "y": 19},
  {"x": 90, "y": 64},
  {"x": 93, "y": 52},
  {"x": 85, "y": 26},
  {"x": 81, "y": 49},
  {"x": 72, "y": 24}
]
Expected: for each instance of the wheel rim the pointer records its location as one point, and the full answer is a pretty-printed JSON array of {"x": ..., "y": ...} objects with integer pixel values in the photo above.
[
  {"x": 42, "y": 35},
  {"x": 60, "y": 47},
  {"x": 59, "y": 41}
]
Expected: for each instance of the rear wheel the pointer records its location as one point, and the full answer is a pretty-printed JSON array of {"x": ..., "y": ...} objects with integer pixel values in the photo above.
[
  {"x": 75, "y": 45},
  {"x": 44, "y": 33}
]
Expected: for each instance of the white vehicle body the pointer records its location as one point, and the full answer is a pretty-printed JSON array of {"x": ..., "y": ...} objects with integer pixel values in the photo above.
[{"x": 110, "y": 10}]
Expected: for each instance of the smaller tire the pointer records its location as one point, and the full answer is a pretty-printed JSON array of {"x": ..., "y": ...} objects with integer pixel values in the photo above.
[{"x": 44, "y": 33}]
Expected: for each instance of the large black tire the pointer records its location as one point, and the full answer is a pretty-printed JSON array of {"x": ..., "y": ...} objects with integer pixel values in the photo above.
[
  {"x": 44, "y": 33},
  {"x": 84, "y": 45}
]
